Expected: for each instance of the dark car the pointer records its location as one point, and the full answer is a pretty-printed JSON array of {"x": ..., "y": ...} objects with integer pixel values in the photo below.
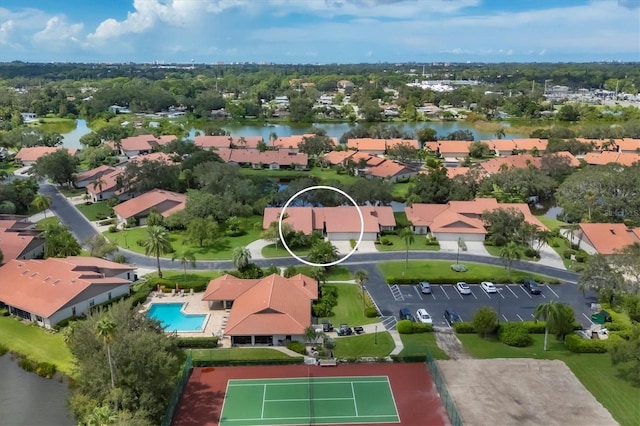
[
  {"x": 405, "y": 314},
  {"x": 326, "y": 326},
  {"x": 452, "y": 316},
  {"x": 531, "y": 285},
  {"x": 345, "y": 330}
]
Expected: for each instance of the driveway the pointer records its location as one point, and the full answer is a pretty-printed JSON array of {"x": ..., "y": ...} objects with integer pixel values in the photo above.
[{"x": 473, "y": 247}]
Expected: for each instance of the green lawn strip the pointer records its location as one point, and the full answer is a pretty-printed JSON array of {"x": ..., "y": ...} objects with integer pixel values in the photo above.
[
  {"x": 560, "y": 245},
  {"x": 439, "y": 271},
  {"x": 398, "y": 244},
  {"x": 399, "y": 191},
  {"x": 551, "y": 223},
  {"x": 364, "y": 345},
  {"x": 71, "y": 192},
  {"x": 325, "y": 175},
  {"x": 91, "y": 211},
  {"x": 271, "y": 251},
  {"x": 49, "y": 220},
  {"x": 595, "y": 372},
  {"x": 192, "y": 279},
  {"x": 401, "y": 219},
  {"x": 495, "y": 251},
  {"x": 36, "y": 343},
  {"x": 349, "y": 309},
  {"x": 333, "y": 273},
  {"x": 418, "y": 343},
  {"x": 237, "y": 354}
]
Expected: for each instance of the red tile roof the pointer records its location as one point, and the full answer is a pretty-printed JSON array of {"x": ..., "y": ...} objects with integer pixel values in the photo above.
[
  {"x": 338, "y": 157},
  {"x": 367, "y": 144},
  {"x": 292, "y": 141},
  {"x": 573, "y": 161},
  {"x": 522, "y": 161},
  {"x": 109, "y": 182},
  {"x": 14, "y": 242},
  {"x": 607, "y": 238},
  {"x": 390, "y": 143},
  {"x": 254, "y": 157},
  {"x": 144, "y": 142},
  {"x": 35, "y": 152},
  {"x": 93, "y": 174},
  {"x": 250, "y": 142},
  {"x": 45, "y": 286},
  {"x": 606, "y": 157},
  {"x": 453, "y": 147},
  {"x": 213, "y": 141},
  {"x": 457, "y": 171},
  {"x": 301, "y": 219},
  {"x": 166, "y": 202},
  {"x": 389, "y": 169},
  {"x": 154, "y": 156}
]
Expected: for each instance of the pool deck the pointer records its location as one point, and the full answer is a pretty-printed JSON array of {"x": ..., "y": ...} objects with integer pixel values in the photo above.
[{"x": 195, "y": 305}]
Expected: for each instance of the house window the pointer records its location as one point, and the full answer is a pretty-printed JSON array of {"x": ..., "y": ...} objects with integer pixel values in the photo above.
[
  {"x": 39, "y": 318},
  {"x": 73, "y": 311},
  {"x": 242, "y": 340},
  {"x": 109, "y": 295},
  {"x": 92, "y": 302}
]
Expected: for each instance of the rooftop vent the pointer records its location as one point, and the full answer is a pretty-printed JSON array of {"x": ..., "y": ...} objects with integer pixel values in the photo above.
[
  {"x": 47, "y": 278},
  {"x": 34, "y": 274},
  {"x": 26, "y": 271},
  {"x": 56, "y": 282},
  {"x": 613, "y": 232}
]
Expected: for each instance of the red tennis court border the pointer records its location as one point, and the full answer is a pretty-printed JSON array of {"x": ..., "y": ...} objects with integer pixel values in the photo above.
[{"x": 415, "y": 393}]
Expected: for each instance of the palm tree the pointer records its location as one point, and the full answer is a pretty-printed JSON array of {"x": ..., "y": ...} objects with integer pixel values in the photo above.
[
  {"x": 105, "y": 328},
  {"x": 42, "y": 202},
  {"x": 98, "y": 183},
  {"x": 551, "y": 313},
  {"x": 186, "y": 257},
  {"x": 361, "y": 277},
  {"x": 319, "y": 274},
  {"x": 157, "y": 243},
  {"x": 241, "y": 257},
  {"x": 500, "y": 133},
  {"x": 508, "y": 253},
  {"x": 407, "y": 235},
  {"x": 102, "y": 416}
]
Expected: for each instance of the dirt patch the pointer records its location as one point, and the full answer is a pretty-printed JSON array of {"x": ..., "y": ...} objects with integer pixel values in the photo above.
[
  {"x": 448, "y": 342},
  {"x": 521, "y": 392}
]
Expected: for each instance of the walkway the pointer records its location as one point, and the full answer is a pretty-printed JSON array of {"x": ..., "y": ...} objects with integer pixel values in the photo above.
[{"x": 255, "y": 248}]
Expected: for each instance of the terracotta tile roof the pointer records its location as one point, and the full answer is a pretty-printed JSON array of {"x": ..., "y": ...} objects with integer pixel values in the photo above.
[
  {"x": 607, "y": 238},
  {"x": 606, "y": 157},
  {"x": 254, "y": 157},
  {"x": 453, "y": 147},
  {"x": 292, "y": 141},
  {"x": 367, "y": 144},
  {"x": 165, "y": 139},
  {"x": 457, "y": 171},
  {"x": 93, "y": 174},
  {"x": 35, "y": 152},
  {"x": 424, "y": 214},
  {"x": 432, "y": 146},
  {"x": 522, "y": 161},
  {"x": 138, "y": 143},
  {"x": 301, "y": 219},
  {"x": 273, "y": 305},
  {"x": 109, "y": 182},
  {"x": 390, "y": 143},
  {"x": 474, "y": 207},
  {"x": 43, "y": 287},
  {"x": 573, "y": 161},
  {"x": 154, "y": 156},
  {"x": 628, "y": 159},
  {"x": 13, "y": 242},
  {"x": 250, "y": 142},
  {"x": 628, "y": 145},
  {"x": 227, "y": 287},
  {"x": 526, "y": 211},
  {"x": 166, "y": 202},
  {"x": 529, "y": 144},
  {"x": 338, "y": 157},
  {"x": 371, "y": 160},
  {"x": 450, "y": 221},
  {"x": 389, "y": 169},
  {"x": 213, "y": 141}
]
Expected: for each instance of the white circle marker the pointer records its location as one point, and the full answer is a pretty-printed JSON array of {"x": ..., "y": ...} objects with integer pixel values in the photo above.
[{"x": 311, "y": 188}]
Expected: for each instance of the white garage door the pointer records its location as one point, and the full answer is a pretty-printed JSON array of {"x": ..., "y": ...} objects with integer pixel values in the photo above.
[
  {"x": 346, "y": 236},
  {"x": 446, "y": 236}
]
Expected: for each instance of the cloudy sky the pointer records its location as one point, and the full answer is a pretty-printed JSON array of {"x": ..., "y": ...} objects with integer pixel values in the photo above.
[{"x": 319, "y": 31}]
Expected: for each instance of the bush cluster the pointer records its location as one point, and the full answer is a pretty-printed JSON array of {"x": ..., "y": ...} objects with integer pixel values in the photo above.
[
  {"x": 113, "y": 229},
  {"x": 197, "y": 342},
  {"x": 514, "y": 334},
  {"x": 370, "y": 312},
  {"x": 328, "y": 299},
  {"x": 385, "y": 241},
  {"x": 408, "y": 327},
  {"x": 464, "y": 327},
  {"x": 577, "y": 344},
  {"x": 42, "y": 369},
  {"x": 459, "y": 267},
  {"x": 297, "y": 347}
]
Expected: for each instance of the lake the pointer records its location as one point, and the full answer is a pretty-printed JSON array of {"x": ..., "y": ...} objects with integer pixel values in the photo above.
[
  {"x": 71, "y": 138},
  {"x": 30, "y": 400}
]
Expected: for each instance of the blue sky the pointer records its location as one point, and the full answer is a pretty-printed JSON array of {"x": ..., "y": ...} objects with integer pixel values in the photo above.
[{"x": 320, "y": 31}]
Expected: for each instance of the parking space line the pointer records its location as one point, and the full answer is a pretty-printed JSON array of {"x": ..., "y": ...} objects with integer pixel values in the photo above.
[
  {"x": 499, "y": 291},
  {"x": 458, "y": 293},
  {"x": 525, "y": 291},
  {"x": 542, "y": 294},
  {"x": 433, "y": 295},
  {"x": 505, "y": 318},
  {"x": 473, "y": 294},
  {"x": 519, "y": 317},
  {"x": 485, "y": 292},
  {"x": 445, "y": 293},
  {"x": 417, "y": 291},
  {"x": 512, "y": 292},
  {"x": 549, "y": 287}
]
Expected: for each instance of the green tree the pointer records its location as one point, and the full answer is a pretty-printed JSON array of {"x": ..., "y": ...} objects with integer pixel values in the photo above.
[
  {"x": 508, "y": 253},
  {"x": 106, "y": 329},
  {"x": 361, "y": 277},
  {"x": 59, "y": 242},
  {"x": 154, "y": 218},
  {"x": 59, "y": 166},
  {"x": 479, "y": 150},
  {"x": 311, "y": 336},
  {"x": 323, "y": 252},
  {"x": 186, "y": 257},
  {"x": 42, "y": 202},
  {"x": 102, "y": 416},
  {"x": 156, "y": 243},
  {"x": 551, "y": 312},
  {"x": 407, "y": 236},
  {"x": 241, "y": 257},
  {"x": 598, "y": 275},
  {"x": 201, "y": 230},
  {"x": 628, "y": 351},
  {"x": 99, "y": 246},
  {"x": 319, "y": 273},
  {"x": 485, "y": 321}
]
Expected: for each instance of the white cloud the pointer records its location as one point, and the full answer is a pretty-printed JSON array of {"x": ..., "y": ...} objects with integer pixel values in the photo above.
[{"x": 58, "y": 33}]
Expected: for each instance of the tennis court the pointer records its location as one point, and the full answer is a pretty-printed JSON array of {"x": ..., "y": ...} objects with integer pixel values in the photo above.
[{"x": 309, "y": 400}]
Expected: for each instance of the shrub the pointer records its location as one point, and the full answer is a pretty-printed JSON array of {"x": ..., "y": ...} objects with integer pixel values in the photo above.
[
  {"x": 534, "y": 327},
  {"x": 568, "y": 253},
  {"x": 554, "y": 243},
  {"x": 197, "y": 342},
  {"x": 370, "y": 312},
  {"x": 297, "y": 347},
  {"x": 581, "y": 257},
  {"x": 140, "y": 243},
  {"x": 459, "y": 267},
  {"x": 514, "y": 334},
  {"x": 234, "y": 232},
  {"x": 352, "y": 243},
  {"x": 529, "y": 252},
  {"x": 386, "y": 241},
  {"x": 290, "y": 271},
  {"x": 575, "y": 343},
  {"x": 113, "y": 229},
  {"x": 3, "y": 350},
  {"x": 404, "y": 327},
  {"x": 418, "y": 327},
  {"x": 120, "y": 258},
  {"x": 464, "y": 327}
]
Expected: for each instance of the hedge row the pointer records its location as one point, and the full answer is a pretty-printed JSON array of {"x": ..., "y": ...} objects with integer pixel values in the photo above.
[
  {"x": 444, "y": 280},
  {"x": 465, "y": 327},
  {"x": 575, "y": 343},
  {"x": 234, "y": 362},
  {"x": 197, "y": 342},
  {"x": 408, "y": 327}
]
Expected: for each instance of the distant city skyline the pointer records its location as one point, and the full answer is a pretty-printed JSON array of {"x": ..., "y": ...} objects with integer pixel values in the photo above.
[{"x": 320, "y": 31}]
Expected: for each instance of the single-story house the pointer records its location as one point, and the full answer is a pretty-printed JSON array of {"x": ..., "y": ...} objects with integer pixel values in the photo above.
[
  {"x": 336, "y": 223},
  {"x": 142, "y": 144},
  {"x": 85, "y": 178},
  {"x": 106, "y": 187},
  {"x": 213, "y": 142},
  {"x": 392, "y": 143},
  {"x": 498, "y": 164},
  {"x": 51, "y": 290},
  {"x": 274, "y": 160},
  {"x": 460, "y": 219},
  {"x": 390, "y": 170},
  {"x": 154, "y": 156},
  {"x": 628, "y": 145},
  {"x": 451, "y": 150},
  {"x": 457, "y": 171},
  {"x": 266, "y": 311},
  {"x": 29, "y": 156},
  {"x": 338, "y": 157},
  {"x": 290, "y": 142},
  {"x": 606, "y": 238},
  {"x": 606, "y": 157},
  {"x": 20, "y": 240},
  {"x": 246, "y": 142},
  {"x": 164, "y": 202},
  {"x": 368, "y": 145},
  {"x": 29, "y": 117}
]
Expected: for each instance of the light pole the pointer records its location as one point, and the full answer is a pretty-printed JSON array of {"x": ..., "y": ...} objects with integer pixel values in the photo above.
[
  {"x": 375, "y": 336},
  {"x": 499, "y": 291}
]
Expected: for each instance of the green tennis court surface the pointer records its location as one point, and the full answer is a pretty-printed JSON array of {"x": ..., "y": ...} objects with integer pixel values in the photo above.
[{"x": 297, "y": 401}]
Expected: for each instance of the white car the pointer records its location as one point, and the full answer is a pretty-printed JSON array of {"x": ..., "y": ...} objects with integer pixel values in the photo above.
[
  {"x": 488, "y": 287},
  {"x": 463, "y": 288},
  {"x": 423, "y": 316}
]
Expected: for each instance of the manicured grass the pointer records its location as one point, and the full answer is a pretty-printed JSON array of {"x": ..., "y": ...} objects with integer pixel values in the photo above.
[
  {"x": 271, "y": 251},
  {"x": 36, "y": 343},
  {"x": 49, "y": 220},
  {"x": 439, "y": 271},
  {"x": 221, "y": 250},
  {"x": 495, "y": 251},
  {"x": 595, "y": 372},
  {"x": 419, "y": 243},
  {"x": 325, "y": 175},
  {"x": 364, "y": 345},
  {"x": 244, "y": 354},
  {"x": 399, "y": 191},
  {"x": 401, "y": 219},
  {"x": 91, "y": 211},
  {"x": 71, "y": 192},
  {"x": 333, "y": 273},
  {"x": 551, "y": 223},
  {"x": 418, "y": 343},
  {"x": 192, "y": 279},
  {"x": 349, "y": 309}
]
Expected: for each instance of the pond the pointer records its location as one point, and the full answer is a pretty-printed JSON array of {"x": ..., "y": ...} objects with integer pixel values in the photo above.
[{"x": 546, "y": 208}]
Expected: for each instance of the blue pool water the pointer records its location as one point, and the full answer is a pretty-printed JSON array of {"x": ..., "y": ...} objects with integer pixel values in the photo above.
[{"x": 170, "y": 316}]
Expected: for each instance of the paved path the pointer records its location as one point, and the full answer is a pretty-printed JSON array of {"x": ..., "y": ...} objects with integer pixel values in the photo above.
[{"x": 255, "y": 248}]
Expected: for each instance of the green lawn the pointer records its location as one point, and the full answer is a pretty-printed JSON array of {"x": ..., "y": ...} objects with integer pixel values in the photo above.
[
  {"x": 71, "y": 192},
  {"x": 594, "y": 371},
  {"x": 399, "y": 191},
  {"x": 91, "y": 211},
  {"x": 398, "y": 244},
  {"x": 192, "y": 279},
  {"x": 271, "y": 251},
  {"x": 551, "y": 223},
  {"x": 36, "y": 343},
  {"x": 401, "y": 219},
  {"x": 439, "y": 271},
  {"x": 417, "y": 345},
  {"x": 244, "y": 354},
  {"x": 495, "y": 251},
  {"x": 43, "y": 223},
  {"x": 221, "y": 250},
  {"x": 349, "y": 309},
  {"x": 365, "y": 345}
]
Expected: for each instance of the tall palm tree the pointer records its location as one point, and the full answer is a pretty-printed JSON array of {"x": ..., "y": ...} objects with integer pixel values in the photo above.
[
  {"x": 407, "y": 236},
  {"x": 157, "y": 243},
  {"x": 241, "y": 257},
  {"x": 550, "y": 312},
  {"x": 319, "y": 274},
  {"x": 98, "y": 183},
  {"x": 186, "y": 257},
  {"x": 42, "y": 202},
  {"x": 106, "y": 329},
  {"x": 508, "y": 253},
  {"x": 361, "y": 277}
]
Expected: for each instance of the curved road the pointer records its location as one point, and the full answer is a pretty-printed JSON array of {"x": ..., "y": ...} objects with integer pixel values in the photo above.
[{"x": 83, "y": 230}]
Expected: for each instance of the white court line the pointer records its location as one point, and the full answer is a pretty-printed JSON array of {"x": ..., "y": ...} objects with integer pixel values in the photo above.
[
  {"x": 485, "y": 292},
  {"x": 519, "y": 317},
  {"x": 264, "y": 398},
  {"x": 525, "y": 291},
  {"x": 549, "y": 287},
  {"x": 509, "y": 288},
  {"x": 306, "y": 399},
  {"x": 355, "y": 404},
  {"x": 416, "y": 289},
  {"x": 445, "y": 293}
]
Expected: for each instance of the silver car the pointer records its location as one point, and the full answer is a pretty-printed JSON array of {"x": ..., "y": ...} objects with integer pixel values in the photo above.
[
  {"x": 425, "y": 287},
  {"x": 463, "y": 288},
  {"x": 488, "y": 287}
]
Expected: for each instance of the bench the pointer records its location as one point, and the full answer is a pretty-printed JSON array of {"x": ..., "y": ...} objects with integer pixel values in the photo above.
[{"x": 328, "y": 362}]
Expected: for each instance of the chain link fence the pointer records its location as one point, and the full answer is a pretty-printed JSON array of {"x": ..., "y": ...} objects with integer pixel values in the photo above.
[
  {"x": 441, "y": 385},
  {"x": 177, "y": 392}
]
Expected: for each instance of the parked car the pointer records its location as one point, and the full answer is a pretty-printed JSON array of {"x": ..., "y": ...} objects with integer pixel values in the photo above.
[
  {"x": 423, "y": 316},
  {"x": 488, "y": 287},
  {"x": 531, "y": 285},
  {"x": 405, "y": 314},
  {"x": 345, "y": 330},
  {"x": 425, "y": 287},
  {"x": 452, "y": 316},
  {"x": 463, "y": 288},
  {"x": 326, "y": 326}
]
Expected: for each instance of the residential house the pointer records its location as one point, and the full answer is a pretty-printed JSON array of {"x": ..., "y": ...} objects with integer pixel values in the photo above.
[
  {"x": 606, "y": 238},
  {"x": 106, "y": 187},
  {"x": 628, "y": 145},
  {"x": 344, "y": 85},
  {"x": 29, "y": 156},
  {"x": 390, "y": 170},
  {"x": 213, "y": 142},
  {"x": 268, "y": 311},
  {"x": 392, "y": 143},
  {"x": 246, "y": 142},
  {"x": 336, "y": 223},
  {"x": 290, "y": 142},
  {"x": 457, "y": 171},
  {"x": 160, "y": 157},
  {"x": 498, "y": 164},
  {"x": 338, "y": 157},
  {"x": 85, "y": 178},
  {"x": 460, "y": 219},
  {"x": 48, "y": 291},
  {"x": 607, "y": 157},
  {"x": 164, "y": 202},
  {"x": 29, "y": 117},
  {"x": 273, "y": 160},
  {"x": 450, "y": 150},
  {"x": 19, "y": 239},
  {"x": 116, "y": 109},
  {"x": 368, "y": 145},
  {"x": 141, "y": 144}
]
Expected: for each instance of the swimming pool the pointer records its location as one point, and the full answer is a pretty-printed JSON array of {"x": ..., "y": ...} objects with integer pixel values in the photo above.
[{"x": 173, "y": 319}]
